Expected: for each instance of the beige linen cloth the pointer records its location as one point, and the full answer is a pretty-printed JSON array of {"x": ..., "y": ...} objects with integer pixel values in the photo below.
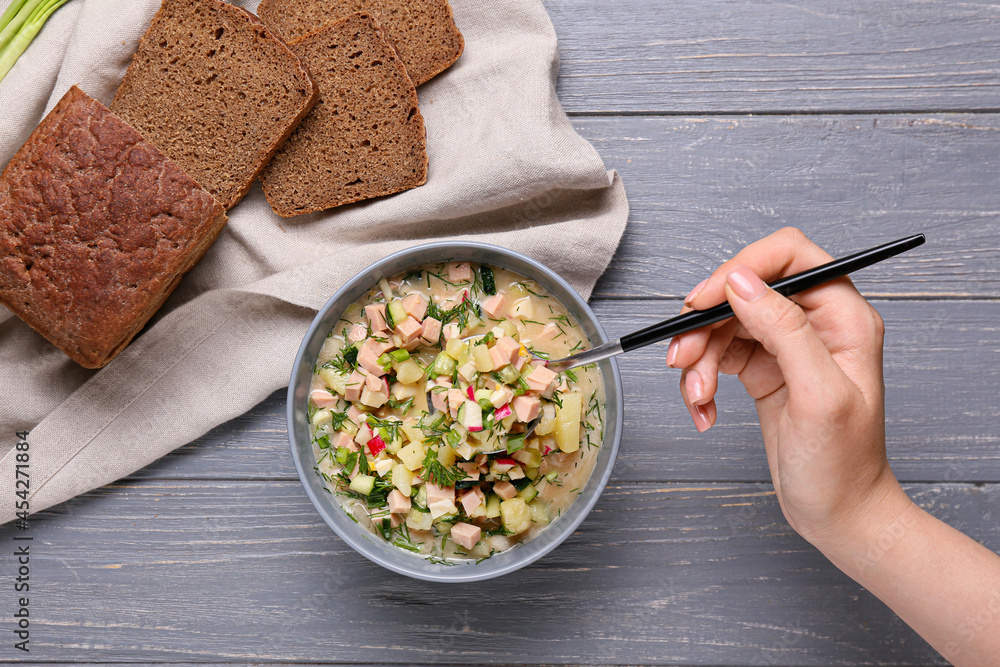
[{"x": 506, "y": 167}]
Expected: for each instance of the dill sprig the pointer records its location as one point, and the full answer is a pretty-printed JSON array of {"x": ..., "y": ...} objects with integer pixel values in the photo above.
[{"x": 440, "y": 474}]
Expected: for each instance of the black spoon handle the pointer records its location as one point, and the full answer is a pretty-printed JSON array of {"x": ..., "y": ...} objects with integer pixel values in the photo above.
[{"x": 785, "y": 286}]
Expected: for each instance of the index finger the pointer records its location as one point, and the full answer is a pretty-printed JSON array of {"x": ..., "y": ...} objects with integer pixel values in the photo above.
[{"x": 781, "y": 254}]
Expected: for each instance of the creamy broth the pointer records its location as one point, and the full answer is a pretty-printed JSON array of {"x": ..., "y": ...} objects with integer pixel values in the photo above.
[{"x": 420, "y": 403}]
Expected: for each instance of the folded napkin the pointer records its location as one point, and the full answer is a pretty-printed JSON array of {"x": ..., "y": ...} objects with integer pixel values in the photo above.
[{"x": 506, "y": 167}]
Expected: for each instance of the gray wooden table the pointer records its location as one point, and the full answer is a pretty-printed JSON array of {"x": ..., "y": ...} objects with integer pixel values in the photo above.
[{"x": 856, "y": 121}]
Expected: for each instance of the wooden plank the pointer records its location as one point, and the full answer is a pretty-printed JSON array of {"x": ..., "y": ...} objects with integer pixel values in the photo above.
[
  {"x": 658, "y": 574},
  {"x": 692, "y": 56},
  {"x": 941, "y": 381},
  {"x": 702, "y": 188}
]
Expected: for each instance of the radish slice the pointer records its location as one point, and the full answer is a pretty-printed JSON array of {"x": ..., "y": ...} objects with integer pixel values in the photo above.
[
  {"x": 376, "y": 445},
  {"x": 502, "y": 412}
]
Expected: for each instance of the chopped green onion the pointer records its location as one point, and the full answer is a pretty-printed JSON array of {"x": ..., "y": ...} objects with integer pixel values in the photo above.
[
  {"x": 19, "y": 26},
  {"x": 399, "y": 355}
]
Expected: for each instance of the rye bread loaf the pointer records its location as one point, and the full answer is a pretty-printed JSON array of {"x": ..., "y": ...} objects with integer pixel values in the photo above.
[
  {"x": 97, "y": 226},
  {"x": 423, "y": 31},
  {"x": 364, "y": 138},
  {"x": 216, "y": 90}
]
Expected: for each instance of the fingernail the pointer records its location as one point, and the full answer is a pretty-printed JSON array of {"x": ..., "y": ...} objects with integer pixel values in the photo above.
[
  {"x": 672, "y": 352},
  {"x": 697, "y": 288},
  {"x": 745, "y": 283},
  {"x": 695, "y": 387},
  {"x": 700, "y": 417}
]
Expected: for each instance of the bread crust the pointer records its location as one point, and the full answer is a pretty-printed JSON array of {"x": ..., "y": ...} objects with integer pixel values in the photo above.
[
  {"x": 97, "y": 227},
  {"x": 365, "y": 138},
  {"x": 423, "y": 31},
  {"x": 217, "y": 91}
]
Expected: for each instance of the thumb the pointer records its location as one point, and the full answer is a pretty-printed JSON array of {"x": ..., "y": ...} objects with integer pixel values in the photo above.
[{"x": 782, "y": 327}]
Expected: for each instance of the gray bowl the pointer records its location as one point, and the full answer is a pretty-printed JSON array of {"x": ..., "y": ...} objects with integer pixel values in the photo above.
[{"x": 375, "y": 548}]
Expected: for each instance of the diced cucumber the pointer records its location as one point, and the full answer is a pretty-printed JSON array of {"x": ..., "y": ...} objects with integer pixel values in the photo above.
[
  {"x": 342, "y": 454},
  {"x": 492, "y": 506},
  {"x": 409, "y": 371},
  {"x": 334, "y": 379},
  {"x": 509, "y": 375},
  {"x": 528, "y": 493},
  {"x": 510, "y": 328},
  {"x": 489, "y": 280},
  {"x": 395, "y": 314},
  {"x": 363, "y": 484},
  {"x": 539, "y": 512},
  {"x": 421, "y": 497},
  {"x": 417, "y": 520},
  {"x": 443, "y": 364}
]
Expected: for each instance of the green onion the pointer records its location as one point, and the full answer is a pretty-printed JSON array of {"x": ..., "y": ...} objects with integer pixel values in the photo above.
[
  {"x": 19, "y": 26},
  {"x": 399, "y": 355}
]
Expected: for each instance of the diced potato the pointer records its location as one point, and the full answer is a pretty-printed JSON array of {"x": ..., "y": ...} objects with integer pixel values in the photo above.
[
  {"x": 515, "y": 515},
  {"x": 394, "y": 445},
  {"x": 373, "y": 399},
  {"x": 446, "y": 455},
  {"x": 523, "y": 309},
  {"x": 334, "y": 379},
  {"x": 417, "y": 520},
  {"x": 409, "y": 372},
  {"x": 402, "y": 479},
  {"x": 330, "y": 350},
  {"x": 510, "y": 328},
  {"x": 481, "y": 357},
  {"x": 465, "y": 450},
  {"x": 528, "y": 457},
  {"x": 349, "y": 427},
  {"x": 412, "y": 432},
  {"x": 454, "y": 348},
  {"x": 412, "y": 455},
  {"x": 568, "y": 422},
  {"x": 322, "y": 418},
  {"x": 547, "y": 424}
]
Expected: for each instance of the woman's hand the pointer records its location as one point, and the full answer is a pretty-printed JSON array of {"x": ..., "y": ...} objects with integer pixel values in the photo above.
[{"x": 813, "y": 364}]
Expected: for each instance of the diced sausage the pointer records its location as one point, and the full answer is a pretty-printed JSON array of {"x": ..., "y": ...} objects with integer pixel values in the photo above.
[
  {"x": 540, "y": 379},
  {"x": 526, "y": 407},
  {"x": 322, "y": 398},
  {"x": 496, "y": 305},
  {"x": 472, "y": 499},
  {"x": 376, "y": 316},
  {"x": 431, "y": 331},
  {"x": 409, "y": 329},
  {"x": 505, "y": 490},
  {"x": 355, "y": 384},
  {"x": 398, "y": 503},
  {"x": 459, "y": 272},
  {"x": 465, "y": 534},
  {"x": 415, "y": 305},
  {"x": 368, "y": 359}
]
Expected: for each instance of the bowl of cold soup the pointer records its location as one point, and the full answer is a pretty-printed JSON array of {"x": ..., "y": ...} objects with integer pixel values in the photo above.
[{"x": 426, "y": 426}]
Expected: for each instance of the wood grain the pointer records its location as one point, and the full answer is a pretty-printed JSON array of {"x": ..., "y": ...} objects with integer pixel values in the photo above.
[
  {"x": 941, "y": 385},
  {"x": 705, "y": 574},
  {"x": 696, "y": 56},
  {"x": 703, "y": 188}
]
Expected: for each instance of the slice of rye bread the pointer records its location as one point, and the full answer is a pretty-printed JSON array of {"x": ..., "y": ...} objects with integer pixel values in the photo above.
[
  {"x": 97, "y": 226},
  {"x": 216, "y": 90},
  {"x": 423, "y": 31},
  {"x": 364, "y": 138}
]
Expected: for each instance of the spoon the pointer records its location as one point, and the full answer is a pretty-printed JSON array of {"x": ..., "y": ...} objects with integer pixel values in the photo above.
[{"x": 696, "y": 319}]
